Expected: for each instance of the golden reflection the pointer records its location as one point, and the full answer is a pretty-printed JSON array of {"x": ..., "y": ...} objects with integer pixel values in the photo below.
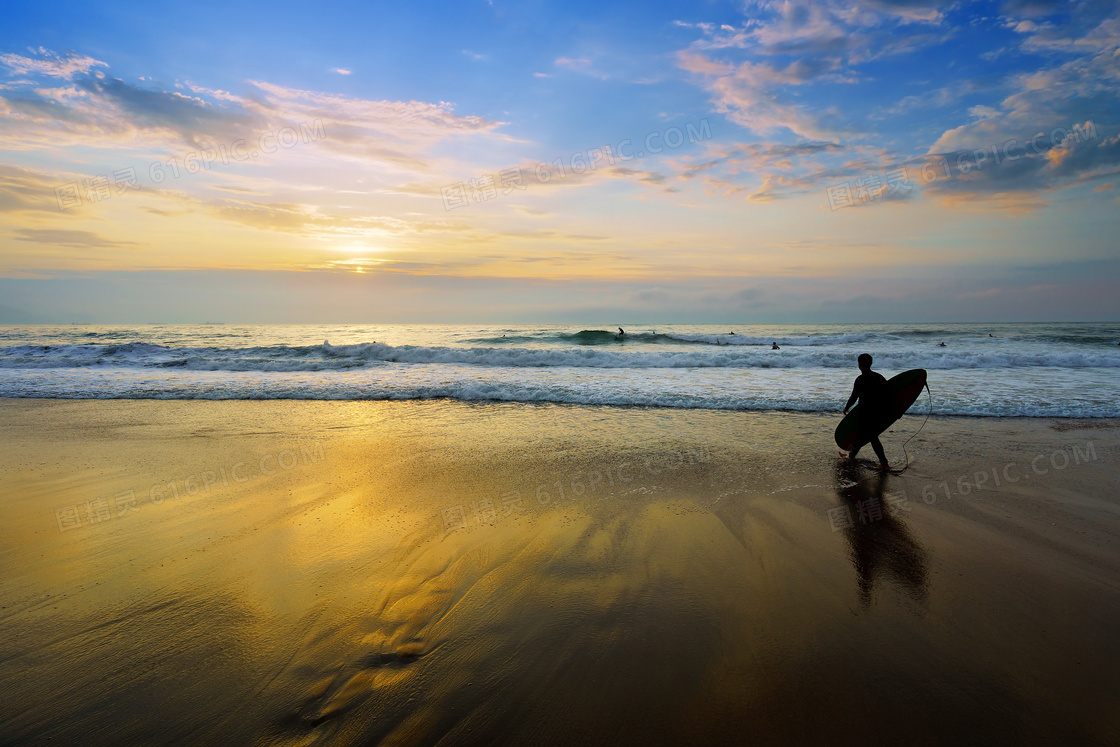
[{"x": 879, "y": 543}]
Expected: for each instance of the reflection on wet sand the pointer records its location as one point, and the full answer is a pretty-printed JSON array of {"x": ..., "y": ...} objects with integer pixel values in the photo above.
[
  {"x": 512, "y": 630},
  {"x": 702, "y": 601},
  {"x": 880, "y": 544}
]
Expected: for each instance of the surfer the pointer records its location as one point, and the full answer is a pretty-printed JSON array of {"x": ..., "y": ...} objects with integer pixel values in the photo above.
[
  {"x": 621, "y": 333},
  {"x": 871, "y": 391},
  {"x": 775, "y": 346},
  {"x": 940, "y": 344}
]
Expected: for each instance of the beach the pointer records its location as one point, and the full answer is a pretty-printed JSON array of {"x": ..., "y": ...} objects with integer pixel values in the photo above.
[
  {"x": 423, "y": 572},
  {"x": 468, "y": 374}
]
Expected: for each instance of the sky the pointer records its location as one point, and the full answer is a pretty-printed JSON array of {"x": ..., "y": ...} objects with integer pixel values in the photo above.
[{"x": 485, "y": 161}]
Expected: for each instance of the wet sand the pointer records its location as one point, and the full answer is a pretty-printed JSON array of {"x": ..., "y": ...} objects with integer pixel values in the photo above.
[{"x": 440, "y": 572}]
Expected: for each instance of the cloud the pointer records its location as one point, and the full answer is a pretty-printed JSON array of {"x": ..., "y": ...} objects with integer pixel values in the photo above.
[
  {"x": 753, "y": 73},
  {"x": 914, "y": 10},
  {"x": 579, "y": 65},
  {"x": 399, "y": 121},
  {"x": 193, "y": 119},
  {"x": 312, "y": 220},
  {"x": 753, "y": 70},
  {"x": 768, "y": 171},
  {"x": 536, "y": 212},
  {"x": 341, "y": 71},
  {"x": 71, "y": 239},
  {"x": 937, "y": 98},
  {"x": 22, "y": 190},
  {"x": 750, "y": 94},
  {"x": 50, "y": 64},
  {"x": 105, "y": 112},
  {"x": 1033, "y": 8},
  {"x": 1042, "y": 107},
  {"x": 1034, "y": 167}
]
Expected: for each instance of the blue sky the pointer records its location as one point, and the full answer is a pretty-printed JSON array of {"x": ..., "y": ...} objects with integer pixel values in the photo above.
[{"x": 836, "y": 161}]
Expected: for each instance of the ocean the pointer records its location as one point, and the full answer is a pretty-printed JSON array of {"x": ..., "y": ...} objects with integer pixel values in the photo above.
[{"x": 1019, "y": 370}]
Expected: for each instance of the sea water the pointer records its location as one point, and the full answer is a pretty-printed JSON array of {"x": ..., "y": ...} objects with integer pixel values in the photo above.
[{"x": 1026, "y": 370}]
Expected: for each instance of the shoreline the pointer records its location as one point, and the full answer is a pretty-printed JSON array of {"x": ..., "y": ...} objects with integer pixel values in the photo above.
[
  {"x": 424, "y": 570},
  {"x": 910, "y": 415}
]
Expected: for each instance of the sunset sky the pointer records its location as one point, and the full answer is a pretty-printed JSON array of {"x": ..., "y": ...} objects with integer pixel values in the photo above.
[{"x": 788, "y": 161}]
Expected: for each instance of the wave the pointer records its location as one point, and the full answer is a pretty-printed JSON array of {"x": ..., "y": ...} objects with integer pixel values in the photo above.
[
  {"x": 327, "y": 357},
  {"x": 603, "y": 337},
  {"x": 467, "y": 390}
]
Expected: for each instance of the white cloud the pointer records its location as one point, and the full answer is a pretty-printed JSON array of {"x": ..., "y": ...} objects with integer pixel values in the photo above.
[
  {"x": 108, "y": 113},
  {"x": 51, "y": 64},
  {"x": 749, "y": 95},
  {"x": 580, "y": 65}
]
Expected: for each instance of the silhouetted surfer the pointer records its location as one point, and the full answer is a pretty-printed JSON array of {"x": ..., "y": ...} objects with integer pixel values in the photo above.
[
  {"x": 621, "y": 334},
  {"x": 871, "y": 391},
  {"x": 940, "y": 344},
  {"x": 775, "y": 347}
]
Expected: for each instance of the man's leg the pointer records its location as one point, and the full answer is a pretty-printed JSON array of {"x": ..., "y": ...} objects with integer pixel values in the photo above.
[
  {"x": 858, "y": 444},
  {"x": 878, "y": 447}
]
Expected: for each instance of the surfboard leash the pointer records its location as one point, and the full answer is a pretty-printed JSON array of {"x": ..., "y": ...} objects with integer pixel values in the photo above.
[{"x": 923, "y": 425}]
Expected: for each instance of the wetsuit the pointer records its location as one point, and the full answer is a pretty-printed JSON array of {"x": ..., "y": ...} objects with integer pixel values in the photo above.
[{"x": 871, "y": 391}]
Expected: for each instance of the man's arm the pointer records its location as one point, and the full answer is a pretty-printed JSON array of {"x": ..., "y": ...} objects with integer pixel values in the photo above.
[{"x": 853, "y": 398}]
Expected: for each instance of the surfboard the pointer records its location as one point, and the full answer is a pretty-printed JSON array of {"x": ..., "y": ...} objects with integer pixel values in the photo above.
[{"x": 902, "y": 391}]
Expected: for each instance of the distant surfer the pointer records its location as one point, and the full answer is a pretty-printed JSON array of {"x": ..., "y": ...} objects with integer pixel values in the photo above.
[
  {"x": 775, "y": 346},
  {"x": 871, "y": 391},
  {"x": 621, "y": 334},
  {"x": 940, "y": 344}
]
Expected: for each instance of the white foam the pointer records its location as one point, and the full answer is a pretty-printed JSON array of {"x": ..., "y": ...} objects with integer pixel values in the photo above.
[
  {"x": 327, "y": 357},
  {"x": 1028, "y": 370}
]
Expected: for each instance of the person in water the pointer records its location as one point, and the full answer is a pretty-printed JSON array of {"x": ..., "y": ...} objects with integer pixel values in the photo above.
[
  {"x": 871, "y": 391},
  {"x": 621, "y": 333},
  {"x": 775, "y": 347}
]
